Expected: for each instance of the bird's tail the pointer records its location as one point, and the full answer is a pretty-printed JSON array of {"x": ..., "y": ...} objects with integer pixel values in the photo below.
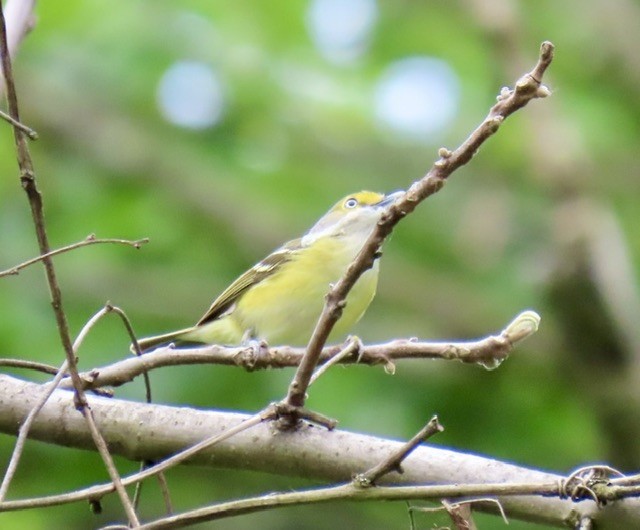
[{"x": 157, "y": 340}]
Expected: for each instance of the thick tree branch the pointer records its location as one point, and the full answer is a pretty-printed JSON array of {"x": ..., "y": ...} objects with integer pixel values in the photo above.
[{"x": 141, "y": 431}]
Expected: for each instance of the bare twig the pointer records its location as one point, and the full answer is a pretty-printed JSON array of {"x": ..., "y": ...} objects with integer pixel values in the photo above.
[
  {"x": 132, "y": 336},
  {"x": 30, "y": 365},
  {"x": 28, "y": 181},
  {"x": 487, "y": 351},
  {"x": 145, "y": 464},
  {"x": 26, "y": 425},
  {"x": 33, "y": 135},
  {"x": 24, "y": 430},
  {"x": 393, "y": 461},
  {"x": 629, "y": 480},
  {"x": 348, "y": 492},
  {"x": 354, "y": 345},
  {"x": 90, "y": 240},
  {"x": 527, "y": 88}
]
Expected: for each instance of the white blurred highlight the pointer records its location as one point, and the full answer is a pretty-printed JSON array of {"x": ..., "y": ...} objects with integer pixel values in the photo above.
[{"x": 191, "y": 95}]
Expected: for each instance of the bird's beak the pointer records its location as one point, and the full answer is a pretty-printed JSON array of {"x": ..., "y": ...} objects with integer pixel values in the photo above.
[{"x": 389, "y": 199}]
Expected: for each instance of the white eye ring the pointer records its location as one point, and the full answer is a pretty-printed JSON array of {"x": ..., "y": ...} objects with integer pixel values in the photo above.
[{"x": 351, "y": 202}]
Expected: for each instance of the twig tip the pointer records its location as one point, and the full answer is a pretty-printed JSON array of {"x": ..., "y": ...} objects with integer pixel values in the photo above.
[{"x": 523, "y": 326}]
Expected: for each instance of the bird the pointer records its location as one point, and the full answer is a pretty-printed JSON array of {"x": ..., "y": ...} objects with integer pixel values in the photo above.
[{"x": 280, "y": 299}]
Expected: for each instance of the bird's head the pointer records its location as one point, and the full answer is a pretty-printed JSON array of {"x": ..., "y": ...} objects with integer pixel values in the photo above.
[{"x": 354, "y": 215}]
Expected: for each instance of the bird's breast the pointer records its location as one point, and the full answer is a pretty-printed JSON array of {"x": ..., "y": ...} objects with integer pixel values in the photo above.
[{"x": 284, "y": 308}]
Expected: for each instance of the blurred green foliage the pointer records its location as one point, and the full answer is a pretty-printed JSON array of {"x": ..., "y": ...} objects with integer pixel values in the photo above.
[{"x": 513, "y": 230}]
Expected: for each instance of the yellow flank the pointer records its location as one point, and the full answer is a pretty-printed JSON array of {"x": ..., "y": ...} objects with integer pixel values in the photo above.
[
  {"x": 283, "y": 308},
  {"x": 281, "y": 298}
]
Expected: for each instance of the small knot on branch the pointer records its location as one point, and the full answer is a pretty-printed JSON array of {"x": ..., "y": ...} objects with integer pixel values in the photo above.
[
  {"x": 443, "y": 152},
  {"x": 290, "y": 417},
  {"x": 591, "y": 482},
  {"x": 494, "y": 123}
]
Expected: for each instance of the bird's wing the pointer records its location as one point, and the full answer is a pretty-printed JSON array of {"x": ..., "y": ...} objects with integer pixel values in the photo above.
[{"x": 253, "y": 276}]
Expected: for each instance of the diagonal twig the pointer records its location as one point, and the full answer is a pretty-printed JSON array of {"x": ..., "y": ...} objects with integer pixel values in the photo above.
[
  {"x": 354, "y": 345},
  {"x": 393, "y": 461},
  {"x": 28, "y": 182},
  {"x": 33, "y": 135},
  {"x": 24, "y": 430},
  {"x": 26, "y": 425},
  {"x": 145, "y": 464},
  {"x": 528, "y": 87}
]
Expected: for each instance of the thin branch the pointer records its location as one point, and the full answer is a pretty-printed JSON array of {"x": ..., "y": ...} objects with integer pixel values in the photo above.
[
  {"x": 101, "y": 445},
  {"x": 346, "y": 492},
  {"x": 25, "y": 427},
  {"x": 90, "y": 240},
  {"x": 354, "y": 345},
  {"x": 162, "y": 481},
  {"x": 24, "y": 430},
  {"x": 132, "y": 336},
  {"x": 28, "y": 181},
  {"x": 33, "y": 135},
  {"x": 488, "y": 351},
  {"x": 629, "y": 480},
  {"x": 394, "y": 460},
  {"x": 30, "y": 365},
  {"x": 528, "y": 87}
]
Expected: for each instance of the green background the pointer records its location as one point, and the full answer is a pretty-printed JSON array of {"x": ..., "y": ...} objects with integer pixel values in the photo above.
[{"x": 545, "y": 217}]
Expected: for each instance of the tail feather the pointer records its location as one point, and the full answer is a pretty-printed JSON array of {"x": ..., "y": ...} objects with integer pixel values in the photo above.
[{"x": 157, "y": 340}]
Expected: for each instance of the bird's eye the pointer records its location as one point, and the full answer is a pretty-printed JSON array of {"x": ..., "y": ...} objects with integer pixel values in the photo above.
[{"x": 351, "y": 202}]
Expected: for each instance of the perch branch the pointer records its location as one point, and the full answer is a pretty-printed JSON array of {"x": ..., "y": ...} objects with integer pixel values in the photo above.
[{"x": 487, "y": 351}]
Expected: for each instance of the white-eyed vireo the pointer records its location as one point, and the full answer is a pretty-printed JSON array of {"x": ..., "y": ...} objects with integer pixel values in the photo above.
[{"x": 280, "y": 299}]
